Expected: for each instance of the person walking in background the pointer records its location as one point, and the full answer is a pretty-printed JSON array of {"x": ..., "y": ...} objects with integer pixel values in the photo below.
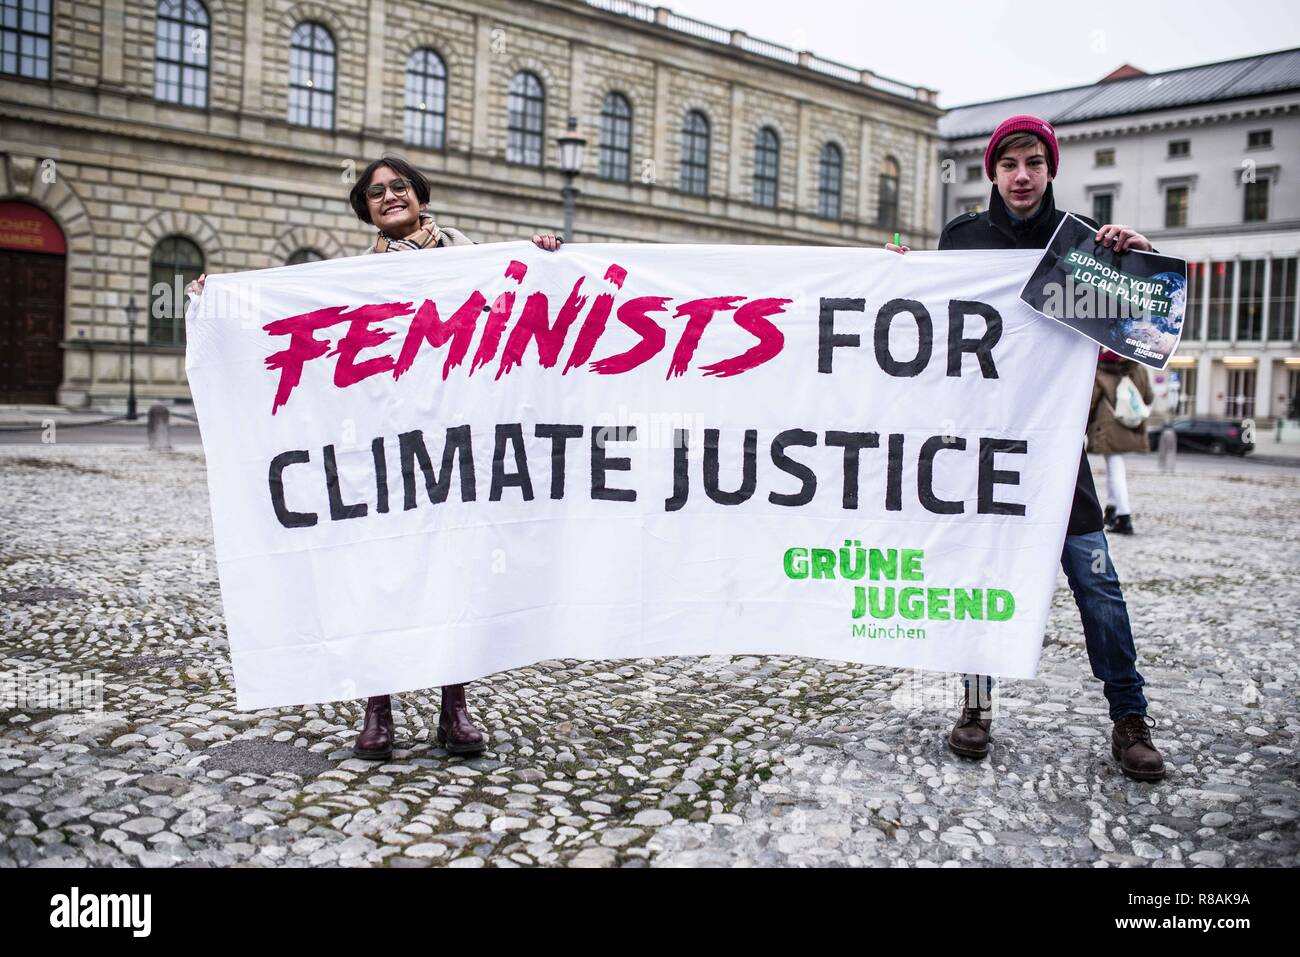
[{"x": 1117, "y": 424}]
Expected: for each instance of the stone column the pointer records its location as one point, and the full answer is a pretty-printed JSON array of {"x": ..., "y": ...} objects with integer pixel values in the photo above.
[
  {"x": 482, "y": 135},
  {"x": 373, "y": 121},
  {"x": 1203, "y": 301},
  {"x": 578, "y": 105},
  {"x": 865, "y": 168},
  {"x": 1265, "y": 302},
  {"x": 663, "y": 128},
  {"x": 1204, "y": 390},
  {"x": 254, "y": 25},
  {"x": 803, "y": 199},
  {"x": 113, "y": 38},
  {"x": 931, "y": 181},
  {"x": 1264, "y": 386},
  {"x": 735, "y": 159},
  {"x": 921, "y": 159},
  {"x": 1236, "y": 299}
]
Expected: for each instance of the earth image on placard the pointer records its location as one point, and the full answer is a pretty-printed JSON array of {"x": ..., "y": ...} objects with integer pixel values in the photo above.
[{"x": 1158, "y": 333}]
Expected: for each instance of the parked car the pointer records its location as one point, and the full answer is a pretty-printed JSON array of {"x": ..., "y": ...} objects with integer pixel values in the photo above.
[{"x": 1216, "y": 436}]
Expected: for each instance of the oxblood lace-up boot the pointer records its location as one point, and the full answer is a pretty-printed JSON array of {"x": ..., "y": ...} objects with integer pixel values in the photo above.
[
  {"x": 1130, "y": 745},
  {"x": 970, "y": 735},
  {"x": 375, "y": 742},
  {"x": 456, "y": 730}
]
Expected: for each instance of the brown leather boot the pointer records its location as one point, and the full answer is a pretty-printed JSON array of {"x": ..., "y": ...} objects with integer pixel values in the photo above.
[
  {"x": 1130, "y": 745},
  {"x": 375, "y": 742},
  {"x": 456, "y": 731},
  {"x": 969, "y": 737}
]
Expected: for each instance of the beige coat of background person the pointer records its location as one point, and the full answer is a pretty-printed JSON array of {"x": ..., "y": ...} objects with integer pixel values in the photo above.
[{"x": 1106, "y": 436}]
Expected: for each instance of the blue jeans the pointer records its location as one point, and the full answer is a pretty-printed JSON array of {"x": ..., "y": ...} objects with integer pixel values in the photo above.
[{"x": 1106, "y": 631}]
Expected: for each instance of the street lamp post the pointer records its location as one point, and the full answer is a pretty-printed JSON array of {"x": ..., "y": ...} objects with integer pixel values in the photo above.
[
  {"x": 572, "y": 147},
  {"x": 131, "y": 311}
]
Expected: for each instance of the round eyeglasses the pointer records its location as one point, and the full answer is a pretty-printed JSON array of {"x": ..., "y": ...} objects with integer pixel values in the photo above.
[{"x": 398, "y": 186}]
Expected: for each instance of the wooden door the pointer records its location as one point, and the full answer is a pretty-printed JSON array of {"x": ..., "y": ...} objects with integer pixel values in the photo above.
[{"x": 31, "y": 326}]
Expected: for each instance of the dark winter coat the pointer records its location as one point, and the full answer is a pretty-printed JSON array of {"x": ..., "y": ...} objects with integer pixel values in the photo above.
[{"x": 994, "y": 229}]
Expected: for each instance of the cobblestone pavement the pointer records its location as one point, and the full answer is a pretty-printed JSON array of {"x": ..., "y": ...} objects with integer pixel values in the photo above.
[{"x": 106, "y": 571}]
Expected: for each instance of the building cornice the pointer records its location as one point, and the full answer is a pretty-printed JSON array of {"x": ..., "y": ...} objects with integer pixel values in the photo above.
[
  {"x": 658, "y": 22},
  {"x": 1225, "y": 230},
  {"x": 1151, "y": 122}
]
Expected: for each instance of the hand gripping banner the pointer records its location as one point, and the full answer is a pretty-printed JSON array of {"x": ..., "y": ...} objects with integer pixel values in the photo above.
[{"x": 429, "y": 467}]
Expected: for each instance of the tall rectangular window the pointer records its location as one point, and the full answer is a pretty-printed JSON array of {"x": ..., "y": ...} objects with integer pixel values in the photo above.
[
  {"x": 1250, "y": 300},
  {"x": 767, "y": 167},
  {"x": 695, "y": 153},
  {"x": 1257, "y": 201},
  {"x": 1220, "y": 304},
  {"x": 1103, "y": 208},
  {"x": 180, "y": 72},
  {"x": 25, "y": 38},
  {"x": 1281, "y": 300},
  {"x": 312, "y": 65},
  {"x": 830, "y": 174},
  {"x": 525, "y": 119},
  {"x": 1175, "y": 207},
  {"x": 1186, "y": 392},
  {"x": 1239, "y": 403},
  {"x": 175, "y": 262},
  {"x": 425, "y": 116},
  {"x": 615, "y": 138}
]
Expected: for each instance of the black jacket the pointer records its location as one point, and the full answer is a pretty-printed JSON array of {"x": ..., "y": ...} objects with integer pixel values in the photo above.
[{"x": 993, "y": 229}]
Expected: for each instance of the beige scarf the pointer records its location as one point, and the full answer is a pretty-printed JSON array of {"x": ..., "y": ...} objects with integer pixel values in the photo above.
[{"x": 425, "y": 235}]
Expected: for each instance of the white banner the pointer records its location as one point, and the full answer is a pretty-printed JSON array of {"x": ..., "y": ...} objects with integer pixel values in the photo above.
[{"x": 428, "y": 467}]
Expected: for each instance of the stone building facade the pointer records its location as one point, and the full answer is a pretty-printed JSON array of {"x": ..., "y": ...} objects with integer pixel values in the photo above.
[
  {"x": 142, "y": 140},
  {"x": 1203, "y": 160}
]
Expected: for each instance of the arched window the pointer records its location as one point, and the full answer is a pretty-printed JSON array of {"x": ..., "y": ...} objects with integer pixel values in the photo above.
[
  {"x": 25, "y": 38},
  {"x": 767, "y": 167},
  {"x": 525, "y": 119},
  {"x": 304, "y": 256},
  {"x": 180, "y": 58},
  {"x": 615, "y": 137},
  {"x": 312, "y": 65},
  {"x": 887, "y": 208},
  {"x": 426, "y": 100},
  {"x": 830, "y": 176},
  {"x": 174, "y": 264},
  {"x": 695, "y": 153}
]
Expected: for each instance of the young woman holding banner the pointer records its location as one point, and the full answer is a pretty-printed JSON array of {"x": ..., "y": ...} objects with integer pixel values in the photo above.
[{"x": 393, "y": 196}]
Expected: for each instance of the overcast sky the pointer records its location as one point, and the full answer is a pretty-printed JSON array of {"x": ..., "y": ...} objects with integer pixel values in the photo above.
[{"x": 989, "y": 49}]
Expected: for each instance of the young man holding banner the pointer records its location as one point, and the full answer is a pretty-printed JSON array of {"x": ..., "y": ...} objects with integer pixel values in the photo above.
[{"x": 1021, "y": 159}]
